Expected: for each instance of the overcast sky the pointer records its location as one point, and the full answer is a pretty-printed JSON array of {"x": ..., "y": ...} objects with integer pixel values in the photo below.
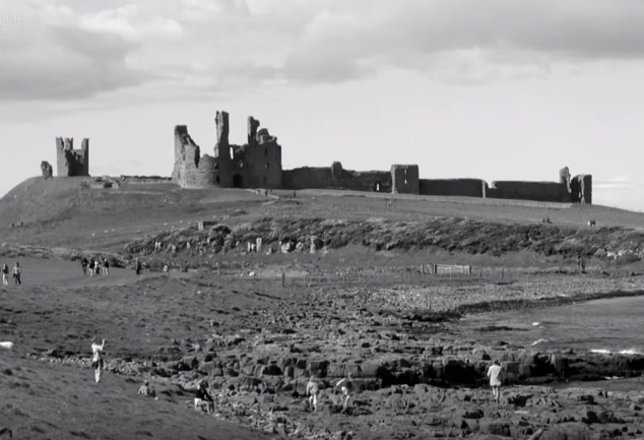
[{"x": 493, "y": 89}]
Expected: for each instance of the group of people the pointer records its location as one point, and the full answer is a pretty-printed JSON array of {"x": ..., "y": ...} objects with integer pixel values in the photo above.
[
  {"x": 16, "y": 273},
  {"x": 345, "y": 387},
  {"x": 94, "y": 266}
]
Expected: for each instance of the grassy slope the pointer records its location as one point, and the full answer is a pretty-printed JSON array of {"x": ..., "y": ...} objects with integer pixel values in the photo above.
[
  {"x": 67, "y": 212},
  {"x": 44, "y": 401}
]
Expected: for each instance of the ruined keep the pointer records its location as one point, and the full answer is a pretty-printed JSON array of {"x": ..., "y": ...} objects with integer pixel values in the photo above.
[
  {"x": 72, "y": 162},
  {"x": 258, "y": 164},
  {"x": 255, "y": 164}
]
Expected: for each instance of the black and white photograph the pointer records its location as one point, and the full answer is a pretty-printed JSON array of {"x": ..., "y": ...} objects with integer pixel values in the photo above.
[{"x": 322, "y": 219}]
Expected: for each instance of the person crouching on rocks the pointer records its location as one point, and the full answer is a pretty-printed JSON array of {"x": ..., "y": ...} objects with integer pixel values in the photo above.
[
  {"x": 494, "y": 373},
  {"x": 313, "y": 391},
  {"x": 97, "y": 358},
  {"x": 147, "y": 390},
  {"x": 346, "y": 388},
  {"x": 203, "y": 399}
]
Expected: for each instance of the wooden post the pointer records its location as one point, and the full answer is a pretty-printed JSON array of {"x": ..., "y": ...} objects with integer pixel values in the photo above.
[
  {"x": 283, "y": 279},
  {"x": 470, "y": 271},
  {"x": 422, "y": 269}
]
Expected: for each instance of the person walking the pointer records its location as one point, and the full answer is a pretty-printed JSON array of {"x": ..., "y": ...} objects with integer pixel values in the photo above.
[
  {"x": 494, "y": 373},
  {"x": 5, "y": 274},
  {"x": 17, "y": 274},
  {"x": 97, "y": 358}
]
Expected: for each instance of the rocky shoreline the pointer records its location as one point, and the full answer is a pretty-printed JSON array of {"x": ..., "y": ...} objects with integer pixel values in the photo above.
[{"x": 257, "y": 372}]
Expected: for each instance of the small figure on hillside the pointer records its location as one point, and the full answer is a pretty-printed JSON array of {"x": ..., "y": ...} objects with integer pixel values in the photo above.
[
  {"x": 203, "y": 399},
  {"x": 97, "y": 358},
  {"x": 147, "y": 390},
  {"x": 166, "y": 270},
  {"x": 17, "y": 274},
  {"x": 84, "y": 263},
  {"x": 138, "y": 267},
  {"x": 5, "y": 274},
  {"x": 346, "y": 388},
  {"x": 313, "y": 391},
  {"x": 494, "y": 373},
  {"x": 106, "y": 267},
  {"x": 90, "y": 266}
]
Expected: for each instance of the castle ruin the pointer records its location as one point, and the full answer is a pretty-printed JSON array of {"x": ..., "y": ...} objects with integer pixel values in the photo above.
[
  {"x": 72, "y": 162},
  {"x": 255, "y": 164},
  {"x": 258, "y": 164}
]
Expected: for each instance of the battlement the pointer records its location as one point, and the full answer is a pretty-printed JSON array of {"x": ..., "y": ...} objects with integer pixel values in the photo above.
[{"x": 72, "y": 162}]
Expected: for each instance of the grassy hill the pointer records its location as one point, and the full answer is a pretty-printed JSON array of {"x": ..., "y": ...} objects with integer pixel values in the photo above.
[{"x": 71, "y": 212}]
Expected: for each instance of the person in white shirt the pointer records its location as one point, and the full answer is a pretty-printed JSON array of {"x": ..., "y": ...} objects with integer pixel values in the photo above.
[
  {"x": 313, "y": 391},
  {"x": 5, "y": 275},
  {"x": 494, "y": 373},
  {"x": 97, "y": 358}
]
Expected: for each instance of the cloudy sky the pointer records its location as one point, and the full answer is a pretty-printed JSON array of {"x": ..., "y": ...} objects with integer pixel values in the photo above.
[{"x": 493, "y": 89}]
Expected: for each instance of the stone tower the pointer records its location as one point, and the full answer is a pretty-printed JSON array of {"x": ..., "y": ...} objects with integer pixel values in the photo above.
[{"x": 72, "y": 162}]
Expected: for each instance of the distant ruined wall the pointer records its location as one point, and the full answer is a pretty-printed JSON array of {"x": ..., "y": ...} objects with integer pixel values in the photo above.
[
  {"x": 452, "y": 187},
  {"x": 404, "y": 179},
  {"x": 307, "y": 177},
  {"x": 72, "y": 162},
  {"x": 537, "y": 191},
  {"x": 337, "y": 177}
]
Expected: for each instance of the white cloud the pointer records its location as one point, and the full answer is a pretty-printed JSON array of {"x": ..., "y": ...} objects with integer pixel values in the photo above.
[{"x": 75, "y": 48}]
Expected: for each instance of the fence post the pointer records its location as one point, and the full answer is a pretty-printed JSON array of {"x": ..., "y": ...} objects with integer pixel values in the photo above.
[
  {"x": 422, "y": 269},
  {"x": 283, "y": 279},
  {"x": 470, "y": 271}
]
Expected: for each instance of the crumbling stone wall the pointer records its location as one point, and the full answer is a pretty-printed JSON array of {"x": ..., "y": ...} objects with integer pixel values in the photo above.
[
  {"x": 72, "y": 162},
  {"x": 404, "y": 179},
  {"x": 191, "y": 169},
  {"x": 452, "y": 187},
  {"x": 337, "y": 177},
  {"x": 537, "y": 191}
]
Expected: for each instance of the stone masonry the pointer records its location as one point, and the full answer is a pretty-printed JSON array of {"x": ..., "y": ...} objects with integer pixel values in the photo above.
[{"x": 72, "y": 162}]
